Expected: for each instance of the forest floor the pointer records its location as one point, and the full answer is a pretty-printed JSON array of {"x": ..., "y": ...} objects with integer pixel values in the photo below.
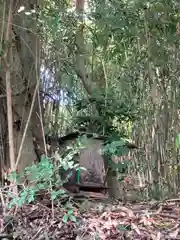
[{"x": 95, "y": 220}]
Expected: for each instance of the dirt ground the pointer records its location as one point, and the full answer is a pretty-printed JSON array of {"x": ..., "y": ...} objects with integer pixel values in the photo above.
[{"x": 95, "y": 220}]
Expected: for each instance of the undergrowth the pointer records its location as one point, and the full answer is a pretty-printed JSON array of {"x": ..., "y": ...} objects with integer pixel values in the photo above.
[{"x": 47, "y": 175}]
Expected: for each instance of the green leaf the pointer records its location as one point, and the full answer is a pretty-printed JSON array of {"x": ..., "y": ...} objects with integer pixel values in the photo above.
[
  {"x": 43, "y": 158},
  {"x": 13, "y": 202},
  {"x": 178, "y": 141},
  {"x": 24, "y": 193},
  {"x": 121, "y": 179},
  {"x": 31, "y": 195},
  {"x": 21, "y": 201},
  {"x": 72, "y": 218},
  {"x": 40, "y": 186},
  {"x": 32, "y": 173},
  {"x": 70, "y": 212},
  {"x": 65, "y": 218},
  {"x": 69, "y": 206},
  {"x": 123, "y": 227},
  {"x": 61, "y": 192},
  {"x": 12, "y": 176},
  {"x": 54, "y": 194},
  {"x": 71, "y": 163},
  {"x": 66, "y": 167}
]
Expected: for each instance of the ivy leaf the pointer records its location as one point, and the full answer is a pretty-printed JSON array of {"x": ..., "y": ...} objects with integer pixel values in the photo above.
[{"x": 65, "y": 218}]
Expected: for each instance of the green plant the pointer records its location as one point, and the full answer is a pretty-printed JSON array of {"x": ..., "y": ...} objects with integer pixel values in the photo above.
[
  {"x": 45, "y": 175},
  {"x": 69, "y": 213},
  {"x": 117, "y": 148},
  {"x": 178, "y": 140}
]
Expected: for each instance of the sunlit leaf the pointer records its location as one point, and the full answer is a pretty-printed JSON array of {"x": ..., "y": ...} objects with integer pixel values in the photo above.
[{"x": 21, "y": 9}]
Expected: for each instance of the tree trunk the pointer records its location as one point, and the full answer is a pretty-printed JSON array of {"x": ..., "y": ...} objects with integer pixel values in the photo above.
[
  {"x": 89, "y": 86},
  {"x": 24, "y": 69},
  {"x": 81, "y": 49}
]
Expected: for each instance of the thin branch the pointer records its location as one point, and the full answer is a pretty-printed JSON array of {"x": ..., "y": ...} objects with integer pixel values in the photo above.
[
  {"x": 31, "y": 109},
  {"x": 7, "y": 57},
  {"x": 27, "y": 124}
]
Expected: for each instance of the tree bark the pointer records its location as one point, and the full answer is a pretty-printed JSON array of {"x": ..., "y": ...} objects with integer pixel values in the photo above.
[
  {"x": 24, "y": 75},
  {"x": 81, "y": 49}
]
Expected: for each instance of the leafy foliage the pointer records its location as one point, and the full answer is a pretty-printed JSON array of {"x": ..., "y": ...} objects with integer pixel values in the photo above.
[
  {"x": 132, "y": 58},
  {"x": 119, "y": 149},
  {"x": 107, "y": 110},
  {"x": 69, "y": 214},
  {"x": 46, "y": 175}
]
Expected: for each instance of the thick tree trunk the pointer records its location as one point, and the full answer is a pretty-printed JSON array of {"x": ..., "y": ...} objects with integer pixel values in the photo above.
[
  {"x": 81, "y": 49},
  {"x": 24, "y": 69}
]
